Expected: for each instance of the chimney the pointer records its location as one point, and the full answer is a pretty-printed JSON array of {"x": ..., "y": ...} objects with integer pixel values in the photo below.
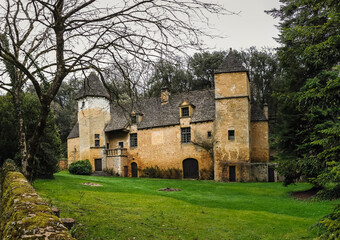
[
  {"x": 265, "y": 110},
  {"x": 165, "y": 95}
]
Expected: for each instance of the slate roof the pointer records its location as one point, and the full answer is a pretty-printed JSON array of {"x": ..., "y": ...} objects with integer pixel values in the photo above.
[
  {"x": 257, "y": 113},
  {"x": 74, "y": 132},
  {"x": 231, "y": 64},
  {"x": 157, "y": 115},
  {"x": 92, "y": 87}
]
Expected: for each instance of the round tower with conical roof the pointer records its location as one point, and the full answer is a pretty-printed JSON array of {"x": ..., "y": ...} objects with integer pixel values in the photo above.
[{"x": 93, "y": 115}]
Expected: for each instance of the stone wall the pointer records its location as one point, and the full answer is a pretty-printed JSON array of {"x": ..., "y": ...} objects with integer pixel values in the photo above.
[
  {"x": 259, "y": 142},
  {"x": 24, "y": 215}
]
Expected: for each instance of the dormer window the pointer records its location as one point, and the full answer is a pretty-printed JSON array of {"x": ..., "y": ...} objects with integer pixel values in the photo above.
[
  {"x": 185, "y": 111},
  {"x": 134, "y": 119}
]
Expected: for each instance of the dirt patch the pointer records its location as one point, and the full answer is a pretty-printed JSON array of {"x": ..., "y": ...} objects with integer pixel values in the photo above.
[
  {"x": 92, "y": 184},
  {"x": 303, "y": 195},
  {"x": 169, "y": 189}
]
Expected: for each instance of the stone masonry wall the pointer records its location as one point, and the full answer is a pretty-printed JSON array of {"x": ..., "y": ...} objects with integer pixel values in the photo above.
[{"x": 24, "y": 215}]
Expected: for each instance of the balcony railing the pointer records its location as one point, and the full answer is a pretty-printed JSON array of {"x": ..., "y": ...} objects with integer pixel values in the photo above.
[{"x": 116, "y": 152}]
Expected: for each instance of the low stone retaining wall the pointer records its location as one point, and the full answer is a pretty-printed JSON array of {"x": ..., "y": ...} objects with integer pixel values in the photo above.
[{"x": 23, "y": 214}]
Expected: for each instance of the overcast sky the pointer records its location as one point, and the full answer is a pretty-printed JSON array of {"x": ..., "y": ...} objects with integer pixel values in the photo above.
[{"x": 252, "y": 27}]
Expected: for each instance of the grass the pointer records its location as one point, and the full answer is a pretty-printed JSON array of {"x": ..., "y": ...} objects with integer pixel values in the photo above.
[{"x": 132, "y": 208}]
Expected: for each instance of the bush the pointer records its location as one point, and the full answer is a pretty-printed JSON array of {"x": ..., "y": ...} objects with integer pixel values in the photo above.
[
  {"x": 111, "y": 171},
  {"x": 330, "y": 225},
  {"x": 207, "y": 174},
  {"x": 82, "y": 167},
  {"x": 156, "y": 172}
]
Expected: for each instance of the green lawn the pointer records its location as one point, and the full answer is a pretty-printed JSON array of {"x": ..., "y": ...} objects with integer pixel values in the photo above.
[{"x": 132, "y": 208}]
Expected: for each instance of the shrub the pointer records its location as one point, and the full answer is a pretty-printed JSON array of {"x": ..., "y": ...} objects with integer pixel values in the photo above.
[
  {"x": 330, "y": 225},
  {"x": 111, "y": 171},
  {"x": 156, "y": 172},
  {"x": 206, "y": 174},
  {"x": 82, "y": 167}
]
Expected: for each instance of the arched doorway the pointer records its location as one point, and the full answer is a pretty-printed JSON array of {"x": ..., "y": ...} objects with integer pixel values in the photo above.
[
  {"x": 190, "y": 168},
  {"x": 134, "y": 172}
]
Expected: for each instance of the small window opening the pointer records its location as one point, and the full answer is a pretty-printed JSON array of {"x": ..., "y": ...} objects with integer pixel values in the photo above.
[
  {"x": 231, "y": 135},
  {"x": 209, "y": 134},
  {"x": 96, "y": 140},
  {"x": 185, "y": 112},
  {"x": 121, "y": 144},
  {"x": 134, "y": 119}
]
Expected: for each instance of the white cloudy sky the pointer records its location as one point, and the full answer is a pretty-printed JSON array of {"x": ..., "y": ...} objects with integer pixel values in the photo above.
[{"x": 252, "y": 27}]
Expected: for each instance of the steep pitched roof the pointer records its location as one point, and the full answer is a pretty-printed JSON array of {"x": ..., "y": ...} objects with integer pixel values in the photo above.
[
  {"x": 157, "y": 115},
  {"x": 257, "y": 113},
  {"x": 92, "y": 87},
  {"x": 231, "y": 64},
  {"x": 74, "y": 132}
]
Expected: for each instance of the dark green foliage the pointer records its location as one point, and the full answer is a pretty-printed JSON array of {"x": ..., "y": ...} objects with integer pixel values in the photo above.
[
  {"x": 8, "y": 134},
  {"x": 264, "y": 73},
  {"x": 308, "y": 128},
  {"x": 173, "y": 76},
  {"x": 82, "y": 167},
  {"x": 49, "y": 145},
  {"x": 65, "y": 110},
  {"x": 49, "y": 150},
  {"x": 330, "y": 225},
  {"x": 203, "y": 66},
  {"x": 156, "y": 172}
]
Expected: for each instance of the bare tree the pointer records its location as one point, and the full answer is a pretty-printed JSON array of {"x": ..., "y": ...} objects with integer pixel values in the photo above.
[{"x": 49, "y": 39}]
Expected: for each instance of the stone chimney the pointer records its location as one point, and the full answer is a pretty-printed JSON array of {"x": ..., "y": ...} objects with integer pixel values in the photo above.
[
  {"x": 165, "y": 95},
  {"x": 265, "y": 110}
]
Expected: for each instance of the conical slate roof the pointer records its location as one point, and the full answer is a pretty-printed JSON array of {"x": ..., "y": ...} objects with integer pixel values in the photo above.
[
  {"x": 92, "y": 87},
  {"x": 231, "y": 64}
]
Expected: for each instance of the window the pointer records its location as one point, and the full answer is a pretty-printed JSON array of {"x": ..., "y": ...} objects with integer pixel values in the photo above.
[
  {"x": 209, "y": 134},
  {"x": 121, "y": 144},
  {"x": 108, "y": 145},
  {"x": 231, "y": 135},
  {"x": 96, "y": 140},
  {"x": 185, "y": 112},
  {"x": 133, "y": 140},
  {"x": 134, "y": 119},
  {"x": 185, "y": 135}
]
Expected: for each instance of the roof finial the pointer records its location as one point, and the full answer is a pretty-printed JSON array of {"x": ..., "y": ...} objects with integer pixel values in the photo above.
[{"x": 230, "y": 50}]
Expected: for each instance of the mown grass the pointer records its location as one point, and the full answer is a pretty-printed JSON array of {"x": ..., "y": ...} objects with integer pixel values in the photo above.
[{"x": 133, "y": 208}]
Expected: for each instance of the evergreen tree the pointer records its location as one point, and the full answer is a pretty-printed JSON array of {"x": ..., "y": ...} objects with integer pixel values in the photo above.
[{"x": 310, "y": 39}]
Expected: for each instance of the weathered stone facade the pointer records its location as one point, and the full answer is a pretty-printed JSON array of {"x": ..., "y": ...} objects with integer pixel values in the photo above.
[{"x": 220, "y": 129}]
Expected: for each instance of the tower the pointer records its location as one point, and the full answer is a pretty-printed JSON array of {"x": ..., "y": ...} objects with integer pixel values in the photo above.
[
  {"x": 232, "y": 120},
  {"x": 93, "y": 115}
]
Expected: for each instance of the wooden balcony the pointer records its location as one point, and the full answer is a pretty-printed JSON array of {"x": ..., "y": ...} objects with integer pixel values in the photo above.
[{"x": 112, "y": 152}]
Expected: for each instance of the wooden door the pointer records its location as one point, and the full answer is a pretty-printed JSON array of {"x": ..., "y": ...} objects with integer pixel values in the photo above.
[
  {"x": 232, "y": 174},
  {"x": 190, "y": 168},
  {"x": 134, "y": 172},
  {"x": 271, "y": 176},
  {"x": 98, "y": 164}
]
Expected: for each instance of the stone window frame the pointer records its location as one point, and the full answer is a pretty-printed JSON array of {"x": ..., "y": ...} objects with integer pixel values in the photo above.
[
  {"x": 133, "y": 140},
  {"x": 97, "y": 140},
  {"x": 186, "y": 135},
  {"x": 185, "y": 111}
]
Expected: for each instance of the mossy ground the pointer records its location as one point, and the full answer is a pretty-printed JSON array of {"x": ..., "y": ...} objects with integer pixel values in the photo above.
[{"x": 133, "y": 208}]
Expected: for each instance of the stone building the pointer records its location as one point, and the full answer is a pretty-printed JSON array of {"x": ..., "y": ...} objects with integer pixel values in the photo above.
[{"x": 197, "y": 131}]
